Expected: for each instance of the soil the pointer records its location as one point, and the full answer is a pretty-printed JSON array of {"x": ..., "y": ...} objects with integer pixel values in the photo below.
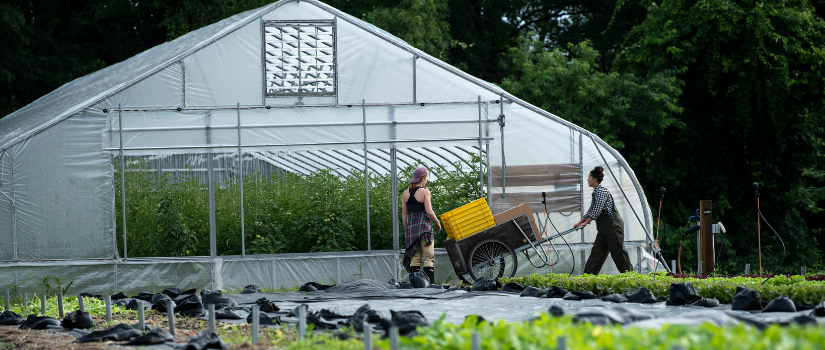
[{"x": 13, "y": 338}]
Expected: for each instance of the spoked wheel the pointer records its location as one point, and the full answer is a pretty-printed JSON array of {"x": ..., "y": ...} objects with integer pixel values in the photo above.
[{"x": 492, "y": 259}]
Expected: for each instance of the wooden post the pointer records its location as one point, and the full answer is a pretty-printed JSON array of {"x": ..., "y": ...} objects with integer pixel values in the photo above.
[{"x": 706, "y": 236}]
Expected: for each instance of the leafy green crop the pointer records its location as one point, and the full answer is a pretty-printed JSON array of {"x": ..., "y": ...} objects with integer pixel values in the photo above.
[
  {"x": 721, "y": 288},
  {"x": 94, "y": 306},
  {"x": 168, "y": 214},
  {"x": 543, "y": 333}
]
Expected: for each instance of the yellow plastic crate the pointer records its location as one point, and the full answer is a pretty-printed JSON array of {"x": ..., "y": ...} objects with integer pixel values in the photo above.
[{"x": 468, "y": 219}]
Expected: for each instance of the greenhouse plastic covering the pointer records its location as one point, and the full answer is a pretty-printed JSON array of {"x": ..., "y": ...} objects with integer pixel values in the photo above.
[{"x": 204, "y": 97}]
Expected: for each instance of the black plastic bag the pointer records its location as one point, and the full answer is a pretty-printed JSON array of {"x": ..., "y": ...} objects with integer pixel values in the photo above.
[
  {"x": 682, "y": 294},
  {"x": 119, "y": 296},
  {"x": 134, "y": 304},
  {"x": 641, "y": 295},
  {"x": 210, "y": 296},
  {"x": 205, "y": 340},
  {"x": 159, "y": 302},
  {"x": 152, "y": 337},
  {"x": 227, "y": 314},
  {"x": 145, "y": 296},
  {"x": 364, "y": 313},
  {"x": 331, "y": 315},
  {"x": 780, "y": 304},
  {"x": 264, "y": 319},
  {"x": 39, "y": 322},
  {"x": 419, "y": 279},
  {"x": 616, "y": 298},
  {"x": 530, "y": 292},
  {"x": 78, "y": 319},
  {"x": 555, "y": 292},
  {"x": 307, "y": 288},
  {"x": 512, "y": 287},
  {"x": 819, "y": 310},
  {"x": 251, "y": 289},
  {"x": 706, "y": 302},
  {"x": 556, "y": 311},
  {"x": 483, "y": 285},
  {"x": 405, "y": 285},
  {"x": 319, "y": 286},
  {"x": 319, "y": 323},
  {"x": 574, "y": 295},
  {"x": 9, "y": 318},
  {"x": 746, "y": 299},
  {"x": 191, "y": 306},
  {"x": 266, "y": 305},
  {"x": 119, "y": 332},
  {"x": 406, "y": 321}
]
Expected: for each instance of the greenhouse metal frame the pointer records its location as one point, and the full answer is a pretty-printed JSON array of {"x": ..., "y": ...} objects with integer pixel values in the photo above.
[{"x": 207, "y": 93}]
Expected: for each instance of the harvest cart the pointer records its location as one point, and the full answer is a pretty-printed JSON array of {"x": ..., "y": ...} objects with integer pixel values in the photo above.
[{"x": 493, "y": 253}]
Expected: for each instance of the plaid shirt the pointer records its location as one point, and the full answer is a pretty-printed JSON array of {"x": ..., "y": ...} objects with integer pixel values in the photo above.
[
  {"x": 602, "y": 200},
  {"x": 418, "y": 226}
]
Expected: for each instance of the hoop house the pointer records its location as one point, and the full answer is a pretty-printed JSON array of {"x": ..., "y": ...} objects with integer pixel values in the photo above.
[{"x": 287, "y": 91}]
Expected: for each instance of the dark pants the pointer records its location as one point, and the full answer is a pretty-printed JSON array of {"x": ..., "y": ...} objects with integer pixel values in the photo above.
[{"x": 609, "y": 239}]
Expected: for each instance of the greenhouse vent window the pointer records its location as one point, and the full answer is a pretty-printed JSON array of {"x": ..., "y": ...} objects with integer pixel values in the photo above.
[{"x": 299, "y": 58}]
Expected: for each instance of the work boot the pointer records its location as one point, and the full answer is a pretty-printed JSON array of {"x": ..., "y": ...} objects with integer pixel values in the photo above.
[
  {"x": 430, "y": 271},
  {"x": 414, "y": 269}
]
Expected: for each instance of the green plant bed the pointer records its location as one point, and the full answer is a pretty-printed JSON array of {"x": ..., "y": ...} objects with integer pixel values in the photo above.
[
  {"x": 721, "y": 288},
  {"x": 543, "y": 332},
  {"x": 95, "y": 307}
]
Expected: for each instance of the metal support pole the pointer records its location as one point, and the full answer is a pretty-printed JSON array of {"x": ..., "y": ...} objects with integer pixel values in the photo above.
[
  {"x": 366, "y": 174},
  {"x": 108, "y": 308},
  {"x": 415, "y": 79},
  {"x": 393, "y": 337},
  {"x": 804, "y": 272},
  {"x": 672, "y": 266},
  {"x": 503, "y": 158},
  {"x": 241, "y": 180},
  {"x": 302, "y": 321},
  {"x": 170, "y": 313},
  {"x": 394, "y": 179},
  {"x": 367, "y": 336},
  {"x": 561, "y": 343},
  {"x": 213, "y": 244},
  {"x": 122, "y": 180},
  {"x": 43, "y": 304},
  {"x": 256, "y": 321},
  {"x": 26, "y": 301},
  {"x": 212, "y": 317},
  {"x": 747, "y": 269},
  {"x": 7, "y": 301},
  {"x": 80, "y": 305},
  {"x": 489, "y": 176},
  {"x": 60, "y": 304},
  {"x": 480, "y": 154},
  {"x": 475, "y": 341},
  {"x": 141, "y": 317},
  {"x": 581, "y": 196}
]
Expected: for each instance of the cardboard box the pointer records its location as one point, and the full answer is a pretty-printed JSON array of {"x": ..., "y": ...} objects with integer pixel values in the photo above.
[{"x": 515, "y": 212}]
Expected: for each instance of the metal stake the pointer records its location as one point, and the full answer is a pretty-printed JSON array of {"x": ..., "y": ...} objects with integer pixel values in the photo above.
[
  {"x": 212, "y": 317},
  {"x": 699, "y": 271},
  {"x": 302, "y": 321},
  {"x": 170, "y": 312},
  {"x": 367, "y": 336},
  {"x": 393, "y": 337},
  {"x": 60, "y": 304},
  {"x": 122, "y": 181},
  {"x": 804, "y": 270},
  {"x": 561, "y": 343},
  {"x": 109, "y": 308},
  {"x": 141, "y": 319},
  {"x": 256, "y": 320},
  {"x": 43, "y": 304},
  {"x": 475, "y": 341},
  {"x": 7, "y": 301},
  {"x": 366, "y": 174},
  {"x": 747, "y": 269},
  {"x": 241, "y": 175},
  {"x": 673, "y": 266},
  {"x": 480, "y": 156},
  {"x": 81, "y": 307},
  {"x": 26, "y": 301}
]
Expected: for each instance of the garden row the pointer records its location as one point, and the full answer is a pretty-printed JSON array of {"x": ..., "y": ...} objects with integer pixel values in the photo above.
[
  {"x": 721, "y": 288},
  {"x": 167, "y": 214}
]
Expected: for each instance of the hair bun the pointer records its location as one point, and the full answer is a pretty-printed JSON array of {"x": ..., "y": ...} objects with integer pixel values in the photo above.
[{"x": 598, "y": 169}]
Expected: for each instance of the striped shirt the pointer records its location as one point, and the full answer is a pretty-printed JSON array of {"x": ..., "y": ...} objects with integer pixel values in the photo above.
[{"x": 602, "y": 200}]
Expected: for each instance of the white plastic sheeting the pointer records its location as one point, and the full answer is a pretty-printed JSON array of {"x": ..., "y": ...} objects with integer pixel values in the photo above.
[{"x": 56, "y": 181}]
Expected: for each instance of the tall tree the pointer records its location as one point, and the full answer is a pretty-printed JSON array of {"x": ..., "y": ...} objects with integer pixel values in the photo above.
[{"x": 754, "y": 101}]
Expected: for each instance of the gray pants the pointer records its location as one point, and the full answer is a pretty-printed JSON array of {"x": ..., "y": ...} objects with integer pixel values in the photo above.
[{"x": 609, "y": 239}]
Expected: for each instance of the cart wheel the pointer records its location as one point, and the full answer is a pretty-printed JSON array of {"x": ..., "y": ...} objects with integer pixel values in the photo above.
[{"x": 492, "y": 259}]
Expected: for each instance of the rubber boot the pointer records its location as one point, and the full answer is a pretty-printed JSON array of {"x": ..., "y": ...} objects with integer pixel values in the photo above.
[
  {"x": 414, "y": 269},
  {"x": 430, "y": 271}
]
